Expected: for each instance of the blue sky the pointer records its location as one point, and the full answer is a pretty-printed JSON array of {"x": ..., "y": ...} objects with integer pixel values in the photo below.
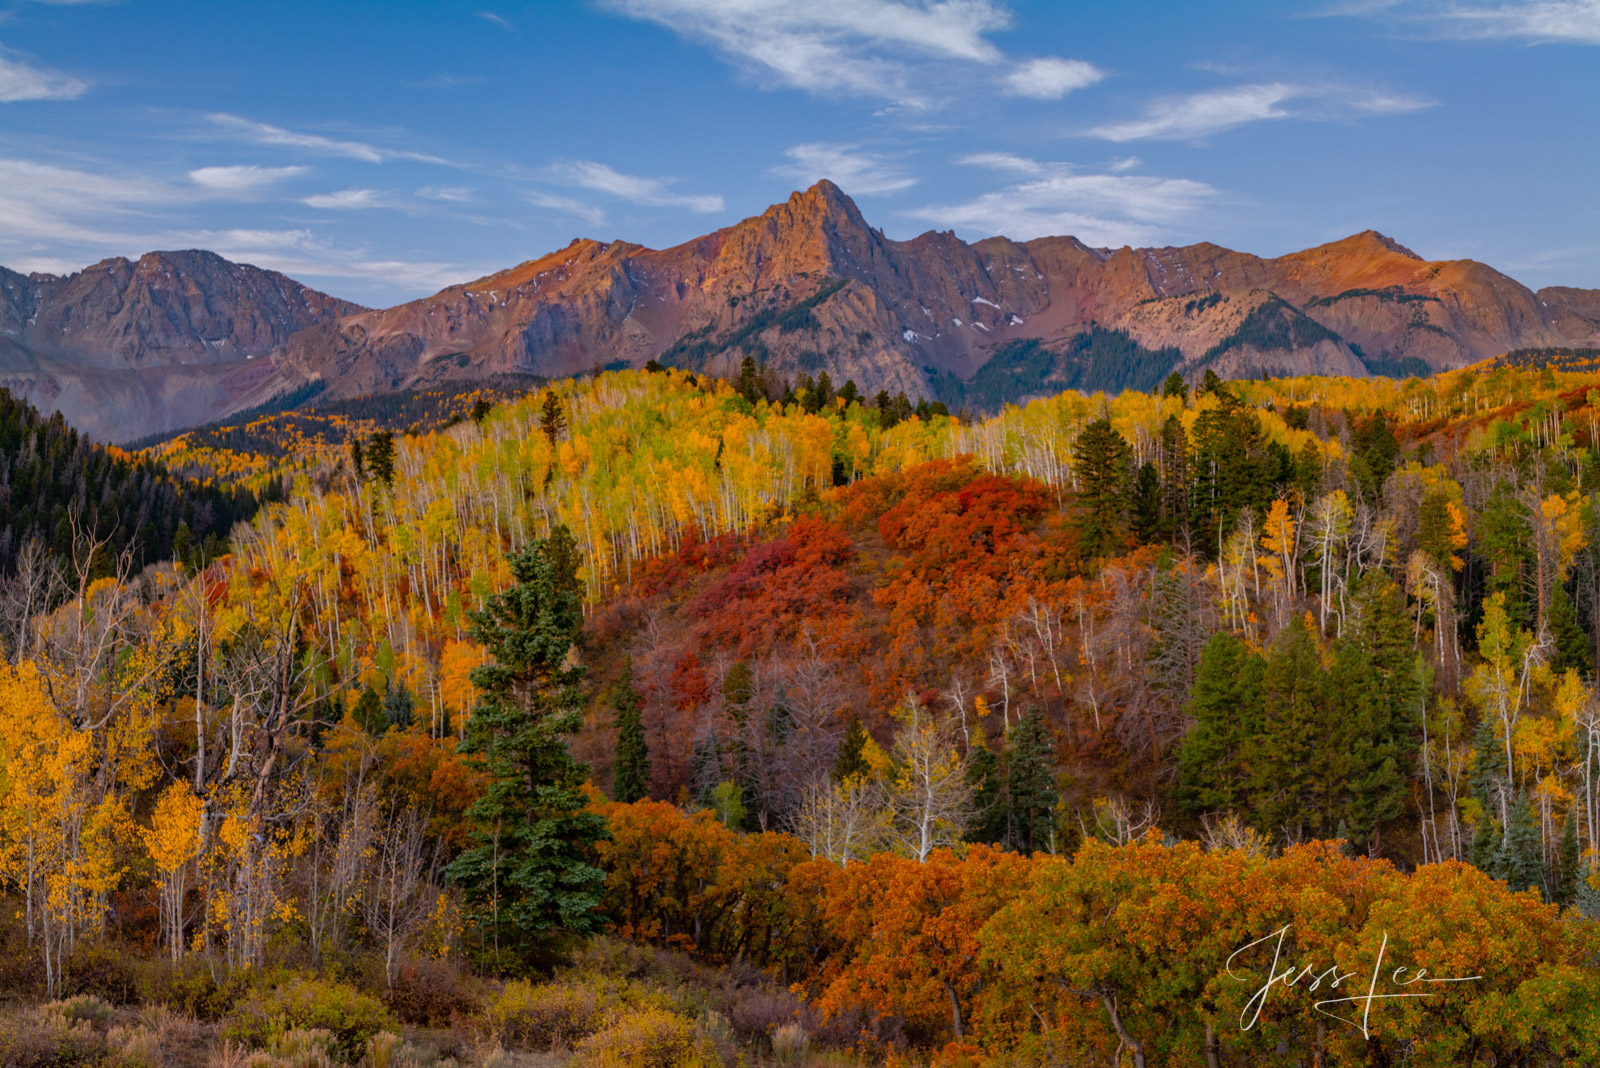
[{"x": 380, "y": 151}]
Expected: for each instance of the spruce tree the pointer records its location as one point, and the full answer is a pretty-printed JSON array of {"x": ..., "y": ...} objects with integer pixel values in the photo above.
[
  {"x": 1225, "y": 706},
  {"x": 851, "y": 760},
  {"x": 987, "y": 784},
  {"x": 1376, "y": 686},
  {"x": 1481, "y": 852},
  {"x": 1175, "y": 478},
  {"x": 1573, "y": 649},
  {"x": 632, "y": 781},
  {"x": 398, "y": 708},
  {"x": 380, "y": 458},
  {"x": 529, "y": 878},
  {"x": 1568, "y": 860},
  {"x": 705, "y": 767},
  {"x": 1174, "y": 386},
  {"x": 1147, "y": 524},
  {"x": 552, "y": 417},
  {"x": 1030, "y": 783},
  {"x": 1101, "y": 458},
  {"x": 1486, "y": 782},
  {"x": 1290, "y": 762},
  {"x": 368, "y": 712},
  {"x": 1519, "y": 862}
]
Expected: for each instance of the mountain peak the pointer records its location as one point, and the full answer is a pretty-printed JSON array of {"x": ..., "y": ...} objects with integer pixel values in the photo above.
[{"x": 823, "y": 200}]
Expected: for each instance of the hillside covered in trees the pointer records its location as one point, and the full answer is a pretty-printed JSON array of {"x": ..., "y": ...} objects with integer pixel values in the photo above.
[{"x": 977, "y": 741}]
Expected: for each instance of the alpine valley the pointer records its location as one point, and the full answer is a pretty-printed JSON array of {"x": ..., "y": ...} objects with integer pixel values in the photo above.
[{"x": 126, "y": 350}]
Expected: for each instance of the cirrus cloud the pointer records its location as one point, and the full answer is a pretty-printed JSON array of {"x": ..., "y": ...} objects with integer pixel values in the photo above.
[
  {"x": 23, "y": 81},
  {"x": 855, "y": 171},
  {"x": 1051, "y": 78},
  {"x": 1199, "y": 115},
  {"x": 587, "y": 174},
  {"x": 1058, "y": 198}
]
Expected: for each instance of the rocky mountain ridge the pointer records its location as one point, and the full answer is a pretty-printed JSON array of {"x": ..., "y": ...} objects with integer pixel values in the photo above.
[
  {"x": 127, "y": 346},
  {"x": 810, "y": 285}
]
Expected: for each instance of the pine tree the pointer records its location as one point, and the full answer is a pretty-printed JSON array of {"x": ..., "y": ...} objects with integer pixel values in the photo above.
[
  {"x": 552, "y": 417},
  {"x": 851, "y": 760},
  {"x": 358, "y": 464},
  {"x": 1030, "y": 783},
  {"x": 380, "y": 458},
  {"x": 632, "y": 781},
  {"x": 989, "y": 811},
  {"x": 529, "y": 877},
  {"x": 705, "y": 767},
  {"x": 1568, "y": 861},
  {"x": 398, "y": 708},
  {"x": 368, "y": 712},
  {"x": 1485, "y": 843},
  {"x": 1175, "y": 478},
  {"x": 1290, "y": 761},
  {"x": 1225, "y": 705},
  {"x": 1376, "y": 686},
  {"x": 1174, "y": 386},
  {"x": 1487, "y": 781},
  {"x": 1518, "y": 861},
  {"x": 1147, "y": 524},
  {"x": 750, "y": 380},
  {"x": 1502, "y": 534},
  {"x": 1573, "y": 649},
  {"x": 1101, "y": 459}
]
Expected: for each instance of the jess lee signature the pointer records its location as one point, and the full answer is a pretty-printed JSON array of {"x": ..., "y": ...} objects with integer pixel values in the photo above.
[{"x": 1290, "y": 977}]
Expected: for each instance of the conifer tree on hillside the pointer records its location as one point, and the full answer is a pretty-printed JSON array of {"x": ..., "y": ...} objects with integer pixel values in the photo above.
[
  {"x": 633, "y": 754},
  {"x": 1376, "y": 686},
  {"x": 1030, "y": 783},
  {"x": 1225, "y": 706},
  {"x": 529, "y": 876},
  {"x": 1101, "y": 458},
  {"x": 1292, "y": 761},
  {"x": 552, "y": 417}
]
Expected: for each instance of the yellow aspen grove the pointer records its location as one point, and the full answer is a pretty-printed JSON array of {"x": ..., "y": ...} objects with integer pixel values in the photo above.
[{"x": 173, "y": 842}]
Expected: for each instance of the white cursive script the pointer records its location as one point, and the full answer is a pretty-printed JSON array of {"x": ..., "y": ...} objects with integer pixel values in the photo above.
[{"x": 1289, "y": 977}]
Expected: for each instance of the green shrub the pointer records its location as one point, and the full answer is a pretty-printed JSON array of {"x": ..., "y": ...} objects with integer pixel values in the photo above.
[
  {"x": 649, "y": 1038},
  {"x": 433, "y": 994},
  {"x": 310, "y": 1004},
  {"x": 107, "y": 972},
  {"x": 546, "y": 1016},
  {"x": 190, "y": 988}
]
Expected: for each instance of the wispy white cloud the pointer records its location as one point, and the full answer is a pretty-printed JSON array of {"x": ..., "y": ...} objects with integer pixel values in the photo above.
[
  {"x": 870, "y": 48},
  {"x": 1099, "y": 209},
  {"x": 1051, "y": 77},
  {"x": 577, "y": 209},
  {"x": 497, "y": 19},
  {"x": 1539, "y": 21},
  {"x": 350, "y": 200},
  {"x": 1003, "y": 161},
  {"x": 261, "y": 133},
  {"x": 244, "y": 178},
  {"x": 1185, "y": 118},
  {"x": 59, "y": 219},
  {"x": 587, "y": 174},
  {"x": 23, "y": 81},
  {"x": 853, "y": 170},
  {"x": 456, "y": 194},
  {"x": 1200, "y": 115}
]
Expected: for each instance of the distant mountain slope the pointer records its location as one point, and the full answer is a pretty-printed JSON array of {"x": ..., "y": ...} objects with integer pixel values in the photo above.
[
  {"x": 129, "y": 347},
  {"x": 806, "y": 286}
]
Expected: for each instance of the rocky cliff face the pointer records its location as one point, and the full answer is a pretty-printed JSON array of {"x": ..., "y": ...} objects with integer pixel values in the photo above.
[
  {"x": 810, "y": 285},
  {"x": 806, "y": 286},
  {"x": 125, "y": 348}
]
